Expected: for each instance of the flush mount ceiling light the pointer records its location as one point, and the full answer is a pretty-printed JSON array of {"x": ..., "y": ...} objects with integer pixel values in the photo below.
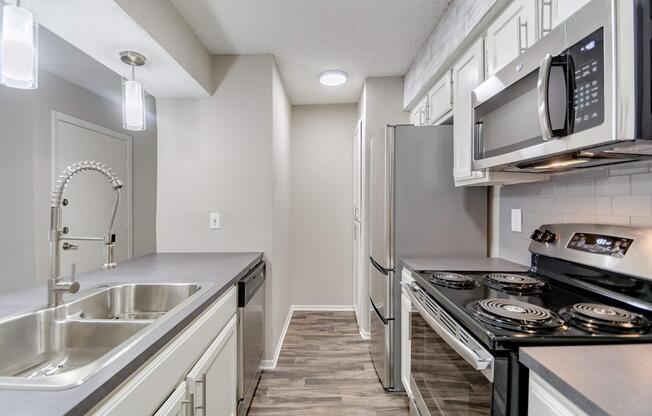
[
  {"x": 333, "y": 78},
  {"x": 19, "y": 48},
  {"x": 133, "y": 94}
]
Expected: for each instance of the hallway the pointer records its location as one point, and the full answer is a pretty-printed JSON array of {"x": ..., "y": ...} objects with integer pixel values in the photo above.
[{"x": 324, "y": 369}]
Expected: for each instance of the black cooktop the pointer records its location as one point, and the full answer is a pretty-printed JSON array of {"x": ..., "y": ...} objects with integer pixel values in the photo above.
[{"x": 507, "y": 310}]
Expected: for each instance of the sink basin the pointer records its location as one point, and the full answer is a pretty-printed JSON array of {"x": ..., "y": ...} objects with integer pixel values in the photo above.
[
  {"x": 56, "y": 348},
  {"x": 132, "y": 301}
]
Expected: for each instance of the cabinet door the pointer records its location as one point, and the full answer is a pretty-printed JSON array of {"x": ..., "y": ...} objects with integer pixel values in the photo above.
[
  {"x": 468, "y": 73},
  {"x": 419, "y": 116},
  {"x": 557, "y": 11},
  {"x": 406, "y": 310},
  {"x": 511, "y": 34},
  {"x": 212, "y": 382},
  {"x": 440, "y": 98},
  {"x": 545, "y": 400},
  {"x": 177, "y": 404}
]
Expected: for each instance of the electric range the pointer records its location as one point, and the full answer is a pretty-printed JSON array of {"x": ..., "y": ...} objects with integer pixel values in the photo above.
[{"x": 587, "y": 284}]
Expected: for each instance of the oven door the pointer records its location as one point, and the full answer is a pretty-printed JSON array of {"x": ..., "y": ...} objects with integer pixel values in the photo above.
[{"x": 451, "y": 373}]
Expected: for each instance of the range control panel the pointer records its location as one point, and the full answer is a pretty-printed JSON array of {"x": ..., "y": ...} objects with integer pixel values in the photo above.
[
  {"x": 587, "y": 57},
  {"x": 600, "y": 244}
]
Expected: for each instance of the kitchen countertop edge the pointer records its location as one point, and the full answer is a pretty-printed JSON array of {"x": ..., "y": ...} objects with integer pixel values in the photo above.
[{"x": 100, "y": 385}]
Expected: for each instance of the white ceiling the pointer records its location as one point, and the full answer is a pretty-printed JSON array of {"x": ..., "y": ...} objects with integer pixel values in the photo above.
[{"x": 365, "y": 38}]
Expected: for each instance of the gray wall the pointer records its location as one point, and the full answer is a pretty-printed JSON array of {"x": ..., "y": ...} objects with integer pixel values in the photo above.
[
  {"x": 322, "y": 204},
  {"x": 25, "y": 165},
  {"x": 617, "y": 196},
  {"x": 228, "y": 154}
]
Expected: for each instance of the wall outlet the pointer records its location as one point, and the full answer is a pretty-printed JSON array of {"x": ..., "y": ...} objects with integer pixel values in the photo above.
[
  {"x": 517, "y": 220},
  {"x": 215, "y": 220}
]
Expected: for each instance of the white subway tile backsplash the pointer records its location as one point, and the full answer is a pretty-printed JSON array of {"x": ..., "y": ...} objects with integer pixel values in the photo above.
[
  {"x": 603, "y": 205},
  {"x": 632, "y": 205},
  {"x": 614, "y": 185},
  {"x": 633, "y": 169},
  {"x": 581, "y": 188},
  {"x": 641, "y": 222},
  {"x": 642, "y": 184},
  {"x": 579, "y": 219},
  {"x": 612, "y": 220},
  {"x": 624, "y": 198}
]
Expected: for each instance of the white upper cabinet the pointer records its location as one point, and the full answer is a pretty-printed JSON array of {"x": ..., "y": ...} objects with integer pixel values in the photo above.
[
  {"x": 440, "y": 99},
  {"x": 554, "y": 12},
  {"x": 419, "y": 116},
  {"x": 511, "y": 34},
  {"x": 468, "y": 73}
]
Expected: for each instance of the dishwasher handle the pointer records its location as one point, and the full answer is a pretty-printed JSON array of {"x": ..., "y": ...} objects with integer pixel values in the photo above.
[{"x": 249, "y": 285}]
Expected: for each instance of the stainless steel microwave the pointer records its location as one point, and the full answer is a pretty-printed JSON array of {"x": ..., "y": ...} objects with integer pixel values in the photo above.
[{"x": 579, "y": 97}]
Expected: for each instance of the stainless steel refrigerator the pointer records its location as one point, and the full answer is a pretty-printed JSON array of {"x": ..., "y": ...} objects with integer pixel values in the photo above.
[{"x": 415, "y": 211}]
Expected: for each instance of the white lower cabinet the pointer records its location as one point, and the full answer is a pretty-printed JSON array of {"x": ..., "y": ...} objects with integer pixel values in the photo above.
[
  {"x": 212, "y": 383},
  {"x": 406, "y": 311},
  {"x": 177, "y": 404},
  {"x": 545, "y": 400},
  {"x": 195, "y": 374}
]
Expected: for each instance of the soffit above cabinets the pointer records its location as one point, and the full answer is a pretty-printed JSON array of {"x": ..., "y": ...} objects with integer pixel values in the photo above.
[
  {"x": 364, "y": 38},
  {"x": 176, "y": 67}
]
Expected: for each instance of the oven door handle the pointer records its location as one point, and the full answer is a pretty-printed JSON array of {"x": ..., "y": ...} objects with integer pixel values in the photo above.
[{"x": 469, "y": 355}]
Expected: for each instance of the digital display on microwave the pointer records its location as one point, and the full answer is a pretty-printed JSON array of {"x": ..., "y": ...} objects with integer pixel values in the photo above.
[{"x": 587, "y": 60}]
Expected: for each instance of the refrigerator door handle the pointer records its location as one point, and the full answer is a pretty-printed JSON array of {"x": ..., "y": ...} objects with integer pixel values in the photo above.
[
  {"x": 380, "y": 268},
  {"x": 384, "y": 320}
]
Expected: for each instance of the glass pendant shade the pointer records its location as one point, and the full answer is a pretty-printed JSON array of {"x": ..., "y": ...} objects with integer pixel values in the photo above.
[
  {"x": 19, "y": 48},
  {"x": 133, "y": 105}
]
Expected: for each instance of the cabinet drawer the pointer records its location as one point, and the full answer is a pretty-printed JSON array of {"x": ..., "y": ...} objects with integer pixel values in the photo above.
[{"x": 144, "y": 393}]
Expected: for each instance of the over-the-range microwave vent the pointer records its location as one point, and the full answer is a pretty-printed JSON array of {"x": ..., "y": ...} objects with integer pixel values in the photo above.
[{"x": 583, "y": 159}]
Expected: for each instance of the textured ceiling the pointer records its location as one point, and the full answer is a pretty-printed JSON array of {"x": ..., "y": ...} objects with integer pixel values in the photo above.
[{"x": 365, "y": 38}]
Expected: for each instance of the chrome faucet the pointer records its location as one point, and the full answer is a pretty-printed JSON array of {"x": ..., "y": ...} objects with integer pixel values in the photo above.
[{"x": 56, "y": 286}]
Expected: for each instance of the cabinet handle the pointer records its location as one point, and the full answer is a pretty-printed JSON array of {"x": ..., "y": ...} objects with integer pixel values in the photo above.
[
  {"x": 521, "y": 26},
  {"x": 185, "y": 407},
  {"x": 545, "y": 30},
  {"x": 200, "y": 386}
]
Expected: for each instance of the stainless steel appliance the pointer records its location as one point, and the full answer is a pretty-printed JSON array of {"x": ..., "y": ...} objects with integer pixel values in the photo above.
[
  {"x": 579, "y": 97},
  {"x": 251, "y": 333},
  {"x": 415, "y": 211},
  {"x": 587, "y": 284}
]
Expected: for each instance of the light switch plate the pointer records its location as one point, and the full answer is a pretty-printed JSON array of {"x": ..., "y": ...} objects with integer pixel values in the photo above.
[
  {"x": 215, "y": 220},
  {"x": 517, "y": 220}
]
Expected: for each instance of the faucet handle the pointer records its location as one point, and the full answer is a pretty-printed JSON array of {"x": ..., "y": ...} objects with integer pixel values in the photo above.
[{"x": 73, "y": 283}]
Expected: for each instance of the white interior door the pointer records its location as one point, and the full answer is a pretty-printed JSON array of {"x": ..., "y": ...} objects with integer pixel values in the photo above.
[{"x": 90, "y": 197}]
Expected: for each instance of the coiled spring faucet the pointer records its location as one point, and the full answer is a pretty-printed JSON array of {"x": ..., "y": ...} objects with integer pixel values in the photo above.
[{"x": 56, "y": 286}]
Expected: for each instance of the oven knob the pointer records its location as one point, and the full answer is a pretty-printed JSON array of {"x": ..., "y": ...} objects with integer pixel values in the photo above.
[
  {"x": 548, "y": 236},
  {"x": 536, "y": 235}
]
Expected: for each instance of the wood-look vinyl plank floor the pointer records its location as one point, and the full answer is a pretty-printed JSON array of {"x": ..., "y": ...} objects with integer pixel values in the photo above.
[{"x": 324, "y": 369}]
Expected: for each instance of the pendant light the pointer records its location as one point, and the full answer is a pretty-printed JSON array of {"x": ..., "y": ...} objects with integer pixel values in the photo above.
[
  {"x": 133, "y": 94},
  {"x": 19, "y": 48}
]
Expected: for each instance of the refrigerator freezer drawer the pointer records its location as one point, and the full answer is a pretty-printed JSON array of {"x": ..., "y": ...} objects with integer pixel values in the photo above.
[{"x": 382, "y": 349}]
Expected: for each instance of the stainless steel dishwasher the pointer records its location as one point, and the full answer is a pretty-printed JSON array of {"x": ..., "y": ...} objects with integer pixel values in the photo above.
[{"x": 251, "y": 334}]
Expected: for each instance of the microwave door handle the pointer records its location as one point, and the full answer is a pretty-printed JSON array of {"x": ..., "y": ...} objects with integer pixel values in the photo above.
[
  {"x": 543, "y": 86},
  {"x": 470, "y": 356}
]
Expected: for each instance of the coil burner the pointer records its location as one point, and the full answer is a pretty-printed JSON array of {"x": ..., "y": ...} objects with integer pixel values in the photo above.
[
  {"x": 518, "y": 284},
  {"x": 516, "y": 316},
  {"x": 452, "y": 280},
  {"x": 598, "y": 318}
]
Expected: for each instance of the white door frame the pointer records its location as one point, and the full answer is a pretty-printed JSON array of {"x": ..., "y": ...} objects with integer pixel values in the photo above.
[{"x": 61, "y": 117}]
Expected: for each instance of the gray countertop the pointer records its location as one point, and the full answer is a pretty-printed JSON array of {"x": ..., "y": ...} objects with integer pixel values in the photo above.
[
  {"x": 601, "y": 380},
  {"x": 220, "y": 269},
  {"x": 464, "y": 264}
]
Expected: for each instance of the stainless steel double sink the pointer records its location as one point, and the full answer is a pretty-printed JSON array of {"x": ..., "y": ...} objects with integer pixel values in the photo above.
[{"x": 59, "y": 347}]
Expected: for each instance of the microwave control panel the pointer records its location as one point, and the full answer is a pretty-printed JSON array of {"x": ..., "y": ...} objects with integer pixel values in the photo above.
[{"x": 587, "y": 57}]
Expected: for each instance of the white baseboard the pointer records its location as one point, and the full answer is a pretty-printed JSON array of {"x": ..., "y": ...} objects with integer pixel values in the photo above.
[
  {"x": 271, "y": 364},
  {"x": 364, "y": 334},
  {"x": 323, "y": 308}
]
